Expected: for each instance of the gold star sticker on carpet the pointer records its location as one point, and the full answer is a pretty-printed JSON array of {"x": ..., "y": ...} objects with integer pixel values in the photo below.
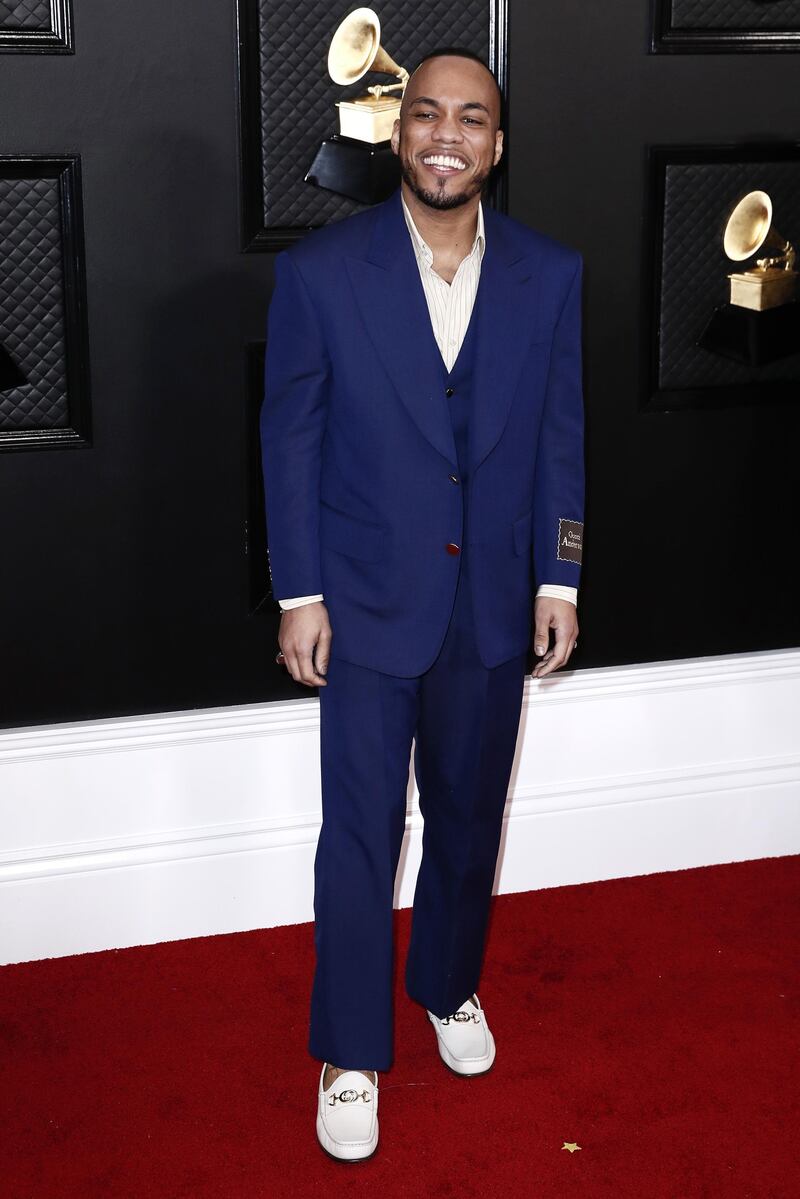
[{"x": 571, "y": 1145}]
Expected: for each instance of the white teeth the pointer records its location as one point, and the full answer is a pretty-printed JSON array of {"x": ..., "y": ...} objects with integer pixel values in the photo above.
[{"x": 444, "y": 160}]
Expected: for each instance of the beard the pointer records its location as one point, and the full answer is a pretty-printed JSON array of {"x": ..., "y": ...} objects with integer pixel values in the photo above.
[{"x": 440, "y": 198}]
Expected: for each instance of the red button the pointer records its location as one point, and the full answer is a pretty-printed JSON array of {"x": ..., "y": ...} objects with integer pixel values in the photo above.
[{"x": 452, "y": 548}]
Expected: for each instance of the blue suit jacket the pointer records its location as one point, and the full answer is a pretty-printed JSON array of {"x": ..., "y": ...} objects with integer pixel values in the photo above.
[{"x": 358, "y": 444}]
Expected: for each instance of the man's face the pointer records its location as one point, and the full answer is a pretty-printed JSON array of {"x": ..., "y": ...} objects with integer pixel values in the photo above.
[{"x": 447, "y": 136}]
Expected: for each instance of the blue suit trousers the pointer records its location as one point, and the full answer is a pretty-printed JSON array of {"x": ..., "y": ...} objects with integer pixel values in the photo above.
[{"x": 463, "y": 719}]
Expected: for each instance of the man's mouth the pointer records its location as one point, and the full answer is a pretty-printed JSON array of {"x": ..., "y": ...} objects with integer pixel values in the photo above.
[{"x": 444, "y": 164}]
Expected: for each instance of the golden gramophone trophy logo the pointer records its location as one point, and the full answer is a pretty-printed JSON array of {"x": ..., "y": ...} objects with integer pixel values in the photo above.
[
  {"x": 761, "y": 321},
  {"x": 772, "y": 281},
  {"x": 358, "y": 161}
]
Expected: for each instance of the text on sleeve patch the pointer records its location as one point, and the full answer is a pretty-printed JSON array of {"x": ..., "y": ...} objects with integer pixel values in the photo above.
[{"x": 570, "y": 540}]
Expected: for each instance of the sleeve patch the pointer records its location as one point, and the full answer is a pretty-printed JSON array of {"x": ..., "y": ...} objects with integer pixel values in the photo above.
[{"x": 570, "y": 540}]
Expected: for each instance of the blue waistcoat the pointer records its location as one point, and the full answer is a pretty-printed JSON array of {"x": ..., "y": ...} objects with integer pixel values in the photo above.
[{"x": 459, "y": 381}]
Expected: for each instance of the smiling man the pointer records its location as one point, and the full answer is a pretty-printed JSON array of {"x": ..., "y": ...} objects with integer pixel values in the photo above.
[{"x": 422, "y": 435}]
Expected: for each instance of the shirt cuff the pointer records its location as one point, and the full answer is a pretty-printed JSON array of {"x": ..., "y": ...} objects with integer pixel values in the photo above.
[
  {"x": 556, "y": 591},
  {"x": 298, "y": 601}
]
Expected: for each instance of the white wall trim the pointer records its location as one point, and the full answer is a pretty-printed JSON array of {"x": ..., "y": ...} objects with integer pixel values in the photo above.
[
  {"x": 291, "y": 831},
  {"x": 148, "y": 828}
]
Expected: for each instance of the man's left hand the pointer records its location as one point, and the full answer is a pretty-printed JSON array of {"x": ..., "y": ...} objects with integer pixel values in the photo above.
[{"x": 560, "y": 616}]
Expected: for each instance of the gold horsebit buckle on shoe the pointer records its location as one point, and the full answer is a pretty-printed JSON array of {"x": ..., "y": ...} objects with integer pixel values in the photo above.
[
  {"x": 350, "y": 1096},
  {"x": 462, "y": 1018}
]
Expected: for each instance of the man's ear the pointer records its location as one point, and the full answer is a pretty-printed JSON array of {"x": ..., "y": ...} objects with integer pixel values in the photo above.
[
  {"x": 395, "y": 138},
  {"x": 498, "y": 146}
]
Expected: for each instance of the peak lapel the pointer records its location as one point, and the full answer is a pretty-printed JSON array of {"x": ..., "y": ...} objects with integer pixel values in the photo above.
[
  {"x": 392, "y": 304},
  {"x": 508, "y": 315}
]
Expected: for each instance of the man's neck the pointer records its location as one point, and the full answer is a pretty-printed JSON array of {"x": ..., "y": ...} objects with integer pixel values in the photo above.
[{"x": 446, "y": 230}]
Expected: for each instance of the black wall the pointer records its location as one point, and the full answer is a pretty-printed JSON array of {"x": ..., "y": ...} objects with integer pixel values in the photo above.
[{"x": 125, "y": 584}]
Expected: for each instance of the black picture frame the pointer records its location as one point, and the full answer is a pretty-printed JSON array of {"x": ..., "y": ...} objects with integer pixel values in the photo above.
[
  {"x": 255, "y": 235},
  {"x": 655, "y": 395},
  {"x": 668, "y": 36},
  {"x": 66, "y": 171},
  {"x": 54, "y": 38}
]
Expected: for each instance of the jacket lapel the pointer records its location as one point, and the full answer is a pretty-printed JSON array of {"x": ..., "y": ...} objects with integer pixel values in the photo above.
[
  {"x": 509, "y": 318},
  {"x": 392, "y": 303}
]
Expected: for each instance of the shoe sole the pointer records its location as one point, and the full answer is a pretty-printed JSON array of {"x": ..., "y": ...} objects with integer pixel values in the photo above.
[
  {"x": 346, "y": 1161},
  {"x": 473, "y": 1074}
]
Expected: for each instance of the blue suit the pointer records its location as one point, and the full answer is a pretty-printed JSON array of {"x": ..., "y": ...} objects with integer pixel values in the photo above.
[{"x": 424, "y": 505}]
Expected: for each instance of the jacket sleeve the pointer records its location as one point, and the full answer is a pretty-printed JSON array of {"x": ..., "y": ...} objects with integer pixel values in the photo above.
[
  {"x": 293, "y": 416},
  {"x": 559, "y": 473}
]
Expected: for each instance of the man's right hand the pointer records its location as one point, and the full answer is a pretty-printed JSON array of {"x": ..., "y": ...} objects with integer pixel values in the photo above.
[{"x": 305, "y": 640}]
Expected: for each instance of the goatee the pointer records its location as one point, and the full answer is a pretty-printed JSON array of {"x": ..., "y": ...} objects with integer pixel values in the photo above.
[{"x": 442, "y": 199}]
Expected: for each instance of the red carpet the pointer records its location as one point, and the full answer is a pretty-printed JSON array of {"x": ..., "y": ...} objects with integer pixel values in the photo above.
[{"x": 653, "y": 1021}]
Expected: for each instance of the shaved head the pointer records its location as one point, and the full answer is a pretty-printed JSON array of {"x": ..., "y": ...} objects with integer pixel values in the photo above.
[{"x": 466, "y": 56}]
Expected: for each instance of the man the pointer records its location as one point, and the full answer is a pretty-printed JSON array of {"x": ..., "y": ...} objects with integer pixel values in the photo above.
[{"x": 423, "y": 467}]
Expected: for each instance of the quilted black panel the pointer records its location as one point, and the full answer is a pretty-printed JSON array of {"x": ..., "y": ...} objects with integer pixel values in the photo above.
[
  {"x": 694, "y": 267},
  {"x": 25, "y": 14},
  {"x": 297, "y": 95},
  {"x": 735, "y": 14},
  {"x": 32, "y": 303},
  {"x": 36, "y": 27}
]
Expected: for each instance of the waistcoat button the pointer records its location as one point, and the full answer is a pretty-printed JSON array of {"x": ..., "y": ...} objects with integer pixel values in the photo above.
[
  {"x": 452, "y": 478},
  {"x": 452, "y": 548},
  {"x": 450, "y": 391}
]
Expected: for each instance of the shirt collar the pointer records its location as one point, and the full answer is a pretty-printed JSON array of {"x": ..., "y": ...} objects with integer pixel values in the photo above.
[{"x": 421, "y": 247}]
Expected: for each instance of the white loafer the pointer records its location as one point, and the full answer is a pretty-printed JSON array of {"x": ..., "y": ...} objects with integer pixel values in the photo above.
[
  {"x": 347, "y": 1116},
  {"x": 466, "y": 1044}
]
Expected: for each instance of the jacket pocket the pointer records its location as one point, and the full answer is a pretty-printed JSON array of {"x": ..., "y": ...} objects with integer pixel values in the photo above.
[
  {"x": 350, "y": 535},
  {"x": 521, "y": 530}
]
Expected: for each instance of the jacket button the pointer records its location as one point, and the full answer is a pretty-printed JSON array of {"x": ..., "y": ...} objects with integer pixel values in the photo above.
[
  {"x": 452, "y": 548},
  {"x": 450, "y": 391},
  {"x": 452, "y": 478}
]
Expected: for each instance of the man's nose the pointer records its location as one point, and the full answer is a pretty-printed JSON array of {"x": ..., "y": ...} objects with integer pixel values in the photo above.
[{"x": 448, "y": 129}]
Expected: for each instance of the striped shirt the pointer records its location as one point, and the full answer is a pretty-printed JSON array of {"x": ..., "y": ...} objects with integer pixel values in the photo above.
[
  {"x": 450, "y": 308},
  {"x": 449, "y": 304}
]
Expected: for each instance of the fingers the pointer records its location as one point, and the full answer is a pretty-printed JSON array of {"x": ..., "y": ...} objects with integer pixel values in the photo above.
[
  {"x": 541, "y": 634},
  {"x": 323, "y": 651},
  {"x": 299, "y": 662},
  {"x": 566, "y": 634},
  {"x": 305, "y": 665},
  {"x": 305, "y": 647}
]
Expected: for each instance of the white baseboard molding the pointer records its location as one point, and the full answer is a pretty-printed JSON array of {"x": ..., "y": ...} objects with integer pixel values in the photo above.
[{"x": 156, "y": 828}]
